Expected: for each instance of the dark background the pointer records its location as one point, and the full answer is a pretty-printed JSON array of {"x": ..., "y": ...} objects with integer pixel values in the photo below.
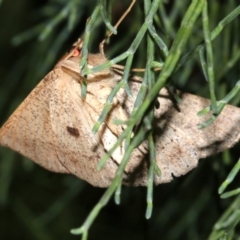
[{"x": 37, "y": 204}]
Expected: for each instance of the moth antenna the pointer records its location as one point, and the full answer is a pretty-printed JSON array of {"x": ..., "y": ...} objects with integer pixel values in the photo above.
[
  {"x": 121, "y": 68},
  {"x": 101, "y": 45}
]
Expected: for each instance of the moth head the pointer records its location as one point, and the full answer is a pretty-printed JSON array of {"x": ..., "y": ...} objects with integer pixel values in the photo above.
[
  {"x": 75, "y": 55},
  {"x": 70, "y": 62}
]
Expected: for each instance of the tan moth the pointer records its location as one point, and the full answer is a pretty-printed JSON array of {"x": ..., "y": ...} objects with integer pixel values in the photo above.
[{"x": 53, "y": 127}]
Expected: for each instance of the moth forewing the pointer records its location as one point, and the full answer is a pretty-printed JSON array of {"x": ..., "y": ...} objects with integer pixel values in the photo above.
[{"x": 53, "y": 128}]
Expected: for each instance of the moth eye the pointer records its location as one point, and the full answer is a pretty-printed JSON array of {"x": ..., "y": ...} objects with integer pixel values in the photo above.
[{"x": 76, "y": 52}]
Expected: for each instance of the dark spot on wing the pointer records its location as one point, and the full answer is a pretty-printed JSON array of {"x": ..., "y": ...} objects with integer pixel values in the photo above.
[
  {"x": 73, "y": 131},
  {"x": 157, "y": 104}
]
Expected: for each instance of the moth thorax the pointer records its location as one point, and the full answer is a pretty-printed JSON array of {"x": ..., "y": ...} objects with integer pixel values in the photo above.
[{"x": 95, "y": 60}]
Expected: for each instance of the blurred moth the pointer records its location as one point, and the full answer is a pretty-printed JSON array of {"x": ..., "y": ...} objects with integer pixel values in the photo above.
[{"x": 53, "y": 127}]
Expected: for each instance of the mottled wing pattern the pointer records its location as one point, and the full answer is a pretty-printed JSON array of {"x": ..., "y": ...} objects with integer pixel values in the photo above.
[{"x": 179, "y": 142}]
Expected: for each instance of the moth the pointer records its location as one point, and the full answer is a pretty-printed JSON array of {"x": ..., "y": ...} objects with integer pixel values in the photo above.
[{"x": 53, "y": 127}]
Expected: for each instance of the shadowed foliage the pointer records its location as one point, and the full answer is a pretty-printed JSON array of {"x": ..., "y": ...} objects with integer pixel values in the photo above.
[{"x": 37, "y": 204}]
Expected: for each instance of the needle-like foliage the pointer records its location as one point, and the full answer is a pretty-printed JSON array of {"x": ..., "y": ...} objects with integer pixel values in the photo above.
[{"x": 197, "y": 46}]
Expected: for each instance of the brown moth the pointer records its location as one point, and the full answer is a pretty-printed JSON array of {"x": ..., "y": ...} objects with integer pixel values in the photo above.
[{"x": 53, "y": 127}]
